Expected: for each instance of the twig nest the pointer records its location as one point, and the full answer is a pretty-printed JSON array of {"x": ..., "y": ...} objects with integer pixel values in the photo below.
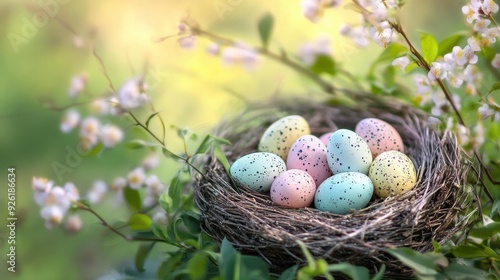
[{"x": 431, "y": 210}]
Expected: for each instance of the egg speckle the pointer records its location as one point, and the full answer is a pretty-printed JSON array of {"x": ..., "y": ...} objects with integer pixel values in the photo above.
[
  {"x": 280, "y": 135},
  {"x": 293, "y": 188},
  {"x": 380, "y": 136},
  {"x": 257, "y": 170},
  {"x": 392, "y": 173},
  {"x": 348, "y": 152},
  {"x": 308, "y": 153},
  {"x": 344, "y": 192}
]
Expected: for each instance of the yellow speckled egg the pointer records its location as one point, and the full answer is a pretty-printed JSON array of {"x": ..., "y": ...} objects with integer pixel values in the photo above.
[
  {"x": 280, "y": 135},
  {"x": 392, "y": 173}
]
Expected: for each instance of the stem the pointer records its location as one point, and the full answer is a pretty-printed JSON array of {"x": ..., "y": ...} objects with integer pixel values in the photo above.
[
  {"x": 327, "y": 87},
  {"x": 137, "y": 122},
  {"x": 111, "y": 228},
  {"x": 494, "y": 266}
]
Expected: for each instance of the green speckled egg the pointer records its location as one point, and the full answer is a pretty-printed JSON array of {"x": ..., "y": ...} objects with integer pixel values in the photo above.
[{"x": 257, "y": 170}]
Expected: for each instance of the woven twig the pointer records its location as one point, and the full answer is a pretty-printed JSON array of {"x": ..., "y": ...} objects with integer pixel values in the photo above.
[{"x": 433, "y": 210}]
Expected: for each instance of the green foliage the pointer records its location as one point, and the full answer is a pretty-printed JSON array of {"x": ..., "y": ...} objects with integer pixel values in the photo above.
[
  {"x": 133, "y": 199},
  {"x": 430, "y": 47},
  {"x": 323, "y": 64},
  {"x": 139, "y": 222},
  {"x": 265, "y": 26},
  {"x": 142, "y": 254},
  {"x": 446, "y": 45},
  {"x": 235, "y": 266}
]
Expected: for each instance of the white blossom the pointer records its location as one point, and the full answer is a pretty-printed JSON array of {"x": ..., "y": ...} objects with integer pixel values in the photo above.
[
  {"x": 153, "y": 185},
  {"x": 471, "y": 10},
  {"x": 130, "y": 95},
  {"x": 77, "y": 85},
  {"x": 309, "y": 51},
  {"x": 441, "y": 104},
  {"x": 151, "y": 161},
  {"x": 57, "y": 196},
  {"x": 474, "y": 44},
  {"x": 52, "y": 215},
  {"x": 70, "y": 120},
  {"x": 481, "y": 25},
  {"x": 312, "y": 9},
  {"x": 73, "y": 224},
  {"x": 478, "y": 140},
  {"x": 485, "y": 111},
  {"x": 90, "y": 127},
  {"x": 489, "y": 6},
  {"x": 160, "y": 217},
  {"x": 464, "y": 56},
  {"x": 401, "y": 63},
  {"x": 111, "y": 135},
  {"x": 490, "y": 36},
  {"x": 437, "y": 71},
  {"x": 71, "y": 191},
  {"x": 119, "y": 183},
  {"x": 136, "y": 178},
  {"x": 100, "y": 106},
  {"x": 97, "y": 192},
  {"x": 382, "y": 33},
  {"x": 240, "y": 54},
  {"x": 42, "y": 187},
  {"x": 496, "y": 61},
  {"x": 213, "y": 48},
  {"x": 187, "y": 42}
]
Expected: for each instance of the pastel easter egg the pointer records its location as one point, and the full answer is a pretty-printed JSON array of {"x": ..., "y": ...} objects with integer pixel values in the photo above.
[
  {"x": 348, "y": 152},
  {"x": 325, "y": 138},
  {"x": 392, "y": 173},
  {"x": 257, "y": 170},
  {"x": 380, "y": 136},
  {"x": 308, "y": 153},
  {"x": 293, "y": 188},
  {"x": 280, "y": 135},
  {"x": 343, "y": 193}
]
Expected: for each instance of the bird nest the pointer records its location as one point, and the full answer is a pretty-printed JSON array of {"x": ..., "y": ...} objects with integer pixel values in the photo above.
[{"x": 435, "y": 209}]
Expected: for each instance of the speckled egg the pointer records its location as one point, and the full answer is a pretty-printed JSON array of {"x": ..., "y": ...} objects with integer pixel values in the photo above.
[
  {"x": 279, "y": 136},
  {"x": 308, "y": 153},
  {"x": 348, "y": 152},
  {"x": 380, "y": 136},
  {"x": 293, "y": 188},
  {"x": 344, "y": 192},
  {"x": 325, "y": 138},
  {"x": 257, "y": 170},
  {"x": 392, "y": 173}
]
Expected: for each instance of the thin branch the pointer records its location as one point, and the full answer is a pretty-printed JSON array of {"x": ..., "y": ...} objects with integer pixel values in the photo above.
[{"x": 104, "y": 69}]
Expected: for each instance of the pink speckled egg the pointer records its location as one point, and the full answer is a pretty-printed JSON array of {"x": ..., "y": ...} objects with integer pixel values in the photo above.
[
  {"x": 308, "y": 153},
  {"x": 293, "y": 188},
  {"x": 325, "y": 138},
  {"x": 380, "y": 136}
]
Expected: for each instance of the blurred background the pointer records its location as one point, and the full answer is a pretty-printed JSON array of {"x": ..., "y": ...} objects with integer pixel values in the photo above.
[{"x": 190, "y": 88}]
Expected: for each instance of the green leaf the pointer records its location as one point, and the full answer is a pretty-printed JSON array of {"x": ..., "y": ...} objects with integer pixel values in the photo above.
[
  {"x": 142, "y": 253},
  {"x": 307, "y": 254},
  {"x": 192, "y": 221},
  {"x": 133, "y": 199},
  {"x": 446, "y": 45},
  {"x": 165, "y": 202},
  {"x": 169, "y": 154},
  {"x": 495, "y": 209},
  {"x": 437, "y": 246},
  {"x": 380, "y": 273},
  {"x": 463, "y": 272},
  {"x": 429, "y": 47},
  {"x": 494, "y": 87},
  {"x": 489, "y": 53},
  {"x": 172, "y": 230},
  {"x": 140, "y": 222},
  {"x": 204, "y": 145},
  {"x": 253, "y": 267},
  {"x": 137, "y": 144},
  {"x": 393, "y": 51},
  {"x": 159, "y": 231},
  {"x": 221, "y": 157},
  {"x": 487, "y": 231},
  {"x": 265, "y": 26},
  {"x": 472, "y": 251},
  {"x": 411, "y": 66},
  {"x": 197, "y": 265},
  {"x": 355, "y": 272},
  {"x": 229, "y": 268},
  {"x": 175, "y": 191},
  {"x": 418, "y": 261},
  {"x": 289, "y": 274},
  {"x": 150, "y": 118},
  {"x": 323, "y": 64},
  {"x": 95, "y": 150}
]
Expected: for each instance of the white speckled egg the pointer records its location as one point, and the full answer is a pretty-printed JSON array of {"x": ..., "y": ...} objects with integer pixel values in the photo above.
[
  {"x": 308, "y": 153},
  {"x": 348, "y": 152},
  {"x": 325, "y": 138},
  {"x": 344, "y": 192},
  {"x": 257, "y": 170},
  {"x": 293, "y": 188},
  {"x": 392, "y": 173},
  {"x": 380, "y": 136},
  {"x": 279, "y": 136}
]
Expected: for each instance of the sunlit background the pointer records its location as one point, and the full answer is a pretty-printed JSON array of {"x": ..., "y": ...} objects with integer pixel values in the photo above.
[{"x": 189, "y": 87}]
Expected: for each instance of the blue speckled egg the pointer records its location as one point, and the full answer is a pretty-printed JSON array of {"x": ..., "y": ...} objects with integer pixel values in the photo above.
[
  {"x": 308, "y": 153},
  {"x": 280, "y": 135},
  {"x": 344, "y": 192},
  {"x": 348, "y": 152},
  {"x": 257, "y": 170}
]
